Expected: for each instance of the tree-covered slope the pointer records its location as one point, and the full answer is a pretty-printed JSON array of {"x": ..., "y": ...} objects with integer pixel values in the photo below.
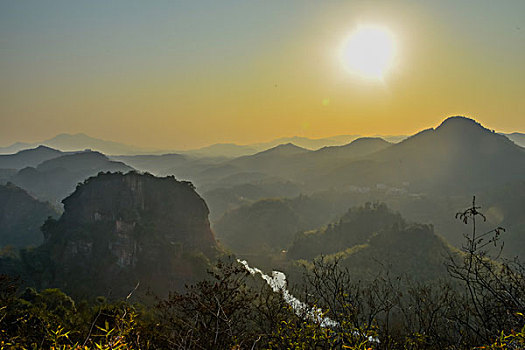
[
  {"x": 269, "y": 225},
  {"x": 372, "y": 239},
  {"x": 21, "y": 217}
]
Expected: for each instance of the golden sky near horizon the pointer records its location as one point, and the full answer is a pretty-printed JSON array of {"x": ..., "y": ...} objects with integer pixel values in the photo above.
[{"x": 186, "y": 74}]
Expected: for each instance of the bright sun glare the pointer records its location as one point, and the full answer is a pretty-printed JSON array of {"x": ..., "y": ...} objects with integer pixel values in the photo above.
[{"x": 369, "y": 52}]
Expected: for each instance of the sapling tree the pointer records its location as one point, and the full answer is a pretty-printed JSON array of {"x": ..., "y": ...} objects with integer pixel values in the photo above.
[{"x": 495, "y": 287}]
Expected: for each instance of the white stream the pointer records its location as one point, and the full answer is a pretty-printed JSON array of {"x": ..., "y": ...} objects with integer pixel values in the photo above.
[{"x": 278, "y": 284}]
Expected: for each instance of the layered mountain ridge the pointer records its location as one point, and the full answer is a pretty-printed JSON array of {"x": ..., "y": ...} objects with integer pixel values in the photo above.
[{"x": 459, "y": 155}]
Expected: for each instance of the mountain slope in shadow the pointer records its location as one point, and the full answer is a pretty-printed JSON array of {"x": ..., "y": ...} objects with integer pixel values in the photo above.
[
  {"x": 28, "y": 157},
  {"x": 459, "y": 155},
  {"x": 56, "y": 178},
  {"x": 21, "y": 217}
]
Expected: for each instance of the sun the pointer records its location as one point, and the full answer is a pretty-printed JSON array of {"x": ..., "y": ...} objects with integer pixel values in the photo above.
[{"x": 369, "y": 52}]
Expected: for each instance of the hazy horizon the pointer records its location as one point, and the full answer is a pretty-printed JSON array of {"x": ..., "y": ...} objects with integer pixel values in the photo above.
[
  {"x": 262, "y": 174},
  {"x": 187, "y": 75},
  {"x": 226, "y": 142}
]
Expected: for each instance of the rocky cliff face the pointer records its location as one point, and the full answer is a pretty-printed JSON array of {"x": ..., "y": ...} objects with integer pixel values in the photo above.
[
  {"x": 175, "y": 211},
  {"x": 119, "y": 230}
]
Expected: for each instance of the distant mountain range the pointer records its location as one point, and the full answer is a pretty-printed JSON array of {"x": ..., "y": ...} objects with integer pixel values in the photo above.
[
  {"x": 459, "y": 155},
  {"x": 460, "y": 150},
  {"x": 517, "y": 138},
  {"x": 28, "y": 157},
  {"x": 55, "y": 178},
  {"x": 292, "y": 162},
  {"x": 426, "y": 176},
  {"x": 80, "y": 142},
  {"x": 232, "y": 150}
]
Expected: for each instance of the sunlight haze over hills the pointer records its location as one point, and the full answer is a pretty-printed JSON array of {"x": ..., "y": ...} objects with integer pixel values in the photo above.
[
  {"x": 181, "y": 75},
  {"x": 262, "y": 174}
]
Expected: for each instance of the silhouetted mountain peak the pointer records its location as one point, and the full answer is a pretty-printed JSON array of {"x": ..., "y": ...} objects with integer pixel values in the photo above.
[
  {"x": 286, "y": 149},
  {"x": 288, "y": 145},
  {"x": 74, "y": 139},
  {"x": 85, "y": 156},
  {"x": 91, "y": 154},
  {"x": 466, "y": 132},
  {"x": 42, "y": 148},
  {"x": 84, "y": 160},
  {"x": 473, "y": 132},
  {"x": 74, "y": 142},
  {"x": 368, "y": 140},
  {"x": 39, "y": 149},
  {"x": 460, "y": 122},
  {"x": 28, "y": 157},
  {"x": 357, "y": 148},
  {"x": 454, "y": 134},
  {"x": 458, "y": 155}
]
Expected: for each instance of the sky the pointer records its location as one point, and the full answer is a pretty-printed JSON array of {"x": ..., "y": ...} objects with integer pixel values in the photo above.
[{"x": 184, "y": 74}]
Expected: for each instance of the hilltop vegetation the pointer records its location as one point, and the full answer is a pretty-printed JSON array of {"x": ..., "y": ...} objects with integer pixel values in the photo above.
[
  {"x": 233, "y": 310},
  {"x": 355, "y": 227},
  {"x": 367, "y": 239}
]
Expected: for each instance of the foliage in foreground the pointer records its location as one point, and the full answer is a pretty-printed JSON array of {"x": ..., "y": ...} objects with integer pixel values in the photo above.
[{"x": 482, "y": 307}]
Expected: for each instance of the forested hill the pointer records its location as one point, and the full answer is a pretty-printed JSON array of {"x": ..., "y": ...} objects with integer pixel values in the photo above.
[
  {"x": 21, "y": 216},
  {"x": 459, "y": 156},
  {"x": 118, "y": 231}
]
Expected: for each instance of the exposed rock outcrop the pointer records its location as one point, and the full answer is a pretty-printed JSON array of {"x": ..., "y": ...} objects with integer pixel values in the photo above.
[{"x": 119, "y": 230}]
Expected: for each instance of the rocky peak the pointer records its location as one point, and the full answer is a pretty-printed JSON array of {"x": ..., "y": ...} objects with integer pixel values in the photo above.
[
  {"x": 173, "y": 207},
  {"x": 129, "y": 228}
]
